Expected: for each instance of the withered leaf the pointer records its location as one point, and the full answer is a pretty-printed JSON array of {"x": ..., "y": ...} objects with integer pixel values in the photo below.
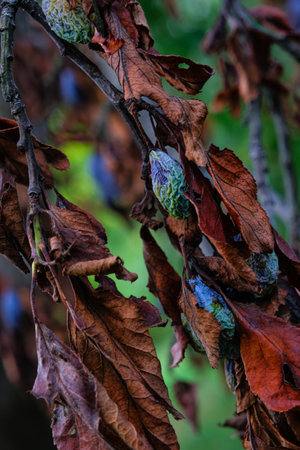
[
  {"x": 186, "y": 394},
  {"x": 13, "y": 240},
  {"x": 244, "y": 396},
  {"x": 119, "y": 333},
  {"x": 269, "y": 349},
  {"x": 179, "y": 347},
  {"x": 189, "y": 79},
  {"x": 214, "y": 223},
  {"x": 149, "y": 312},
  {"x": 15, "y": 161},
  {"x": 105, "y": 373},
  {"x": 71, "y": 433},
  {"x": 226, "y": 274},
  {"x": 274, "y": 18},
  {"x": 62, "y": 376},
  {"x": 145, "y": 210},
  {"x": 84, "y": 239},
  {"x": 288, "y": 260},
  {"x": 215, "y": 40},
  {"x": 145, "y": 40},
  {"x": 244, "y": 59},
  {"x": 204, "y": 324},
  {"x": 238, "y": 190},
  {"x": 239, "y": 423},
  {"x": 138, "y": 76},
  {"x": 189, "y": 116},
  {"x": 264, "y": 431},
  {"x": 164, "y": 282}
]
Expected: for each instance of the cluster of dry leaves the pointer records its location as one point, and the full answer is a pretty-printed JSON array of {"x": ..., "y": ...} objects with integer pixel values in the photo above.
[{"x": 105, "y": 387}]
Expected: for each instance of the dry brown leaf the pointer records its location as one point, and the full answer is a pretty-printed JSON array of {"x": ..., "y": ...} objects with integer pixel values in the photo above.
[
  {"x": 205, "y": 326},
  {"x": 186, "y": 394},
  {"x": 119, "y": 333},
  {"x": 179, "y": 347},
  {"x": 83, "y": 239},
  {"x": 71, "y": 433},
  {"x": 164, "y": 282},
  {"x": 145, "y": 210},
  {"x": 111, "y": 264},
  {"x": 15, "y": 161},
  {"x": 13, "y": 240},
  {"x": 288, "y": 260},
  {"x": 269, "y": 350},
  {"x": 265, "y": 431},
  {"x": 238, "y": 190},
  {"x": 62, "y": 376},
  {"x": 225, "y": 273},
  {"x": 244, "y": 396}
]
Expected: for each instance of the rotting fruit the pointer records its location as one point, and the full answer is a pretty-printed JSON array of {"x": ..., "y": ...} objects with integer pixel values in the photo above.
[
  {"x": 169, "y": 184},
  {"x": 72, "y": 25}
]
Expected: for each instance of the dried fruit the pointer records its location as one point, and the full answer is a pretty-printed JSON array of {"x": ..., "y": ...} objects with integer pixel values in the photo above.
[
  {"x": 168, "y": 184},
  {"x": 266, "y": 268},
  {"x": 72, "y": 25}
]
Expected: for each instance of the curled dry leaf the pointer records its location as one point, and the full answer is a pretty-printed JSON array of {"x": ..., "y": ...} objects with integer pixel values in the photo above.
[
  {"x": 205, "y": 325},
  {"x": 165, "y": 284},
  {"x": 111, "y": 264},
  {"x": 83, "y": 239},
  {"x": 126, "y": 360},
  {"x": 62, "y": 376},
  {"x": 269, "y": 349},
  {"x": 238, "y": 190},
  {"x": 13, "y": 240},
  {"x": 15, "y": 161}
]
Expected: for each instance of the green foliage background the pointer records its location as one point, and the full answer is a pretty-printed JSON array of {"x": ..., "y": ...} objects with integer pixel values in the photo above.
[{"x": 180, "y": 36}]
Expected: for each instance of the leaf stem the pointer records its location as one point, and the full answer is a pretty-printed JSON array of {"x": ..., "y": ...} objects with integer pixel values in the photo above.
[{"x": 11, "y": 95}]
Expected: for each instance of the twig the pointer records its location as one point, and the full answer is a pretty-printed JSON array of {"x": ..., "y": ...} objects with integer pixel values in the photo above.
[
  {"x": 70, "y": 51},
  {"x": 289, "y": 179},
  {"x": 258, "y": 156},
  {"x": 11, "y": 95}
]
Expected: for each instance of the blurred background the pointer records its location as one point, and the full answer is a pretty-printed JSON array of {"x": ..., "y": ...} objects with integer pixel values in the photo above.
[{"x": 70, "y": 113}]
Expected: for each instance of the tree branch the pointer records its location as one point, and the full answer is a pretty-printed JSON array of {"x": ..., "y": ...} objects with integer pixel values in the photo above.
[
  {"x": 258, "y": 156},
  {"x": 289, "y": 179},
  {"x": 94, "y": 73},
  {"x": 11, "y": 95}
]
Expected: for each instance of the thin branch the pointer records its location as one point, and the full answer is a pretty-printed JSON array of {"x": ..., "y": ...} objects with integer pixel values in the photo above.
[
  {"x": 11, "y": 95},
  {"x": 258, "y": 156},
  {"x": 289, "y": 179},
  {"x": 94, "y": 73}
]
